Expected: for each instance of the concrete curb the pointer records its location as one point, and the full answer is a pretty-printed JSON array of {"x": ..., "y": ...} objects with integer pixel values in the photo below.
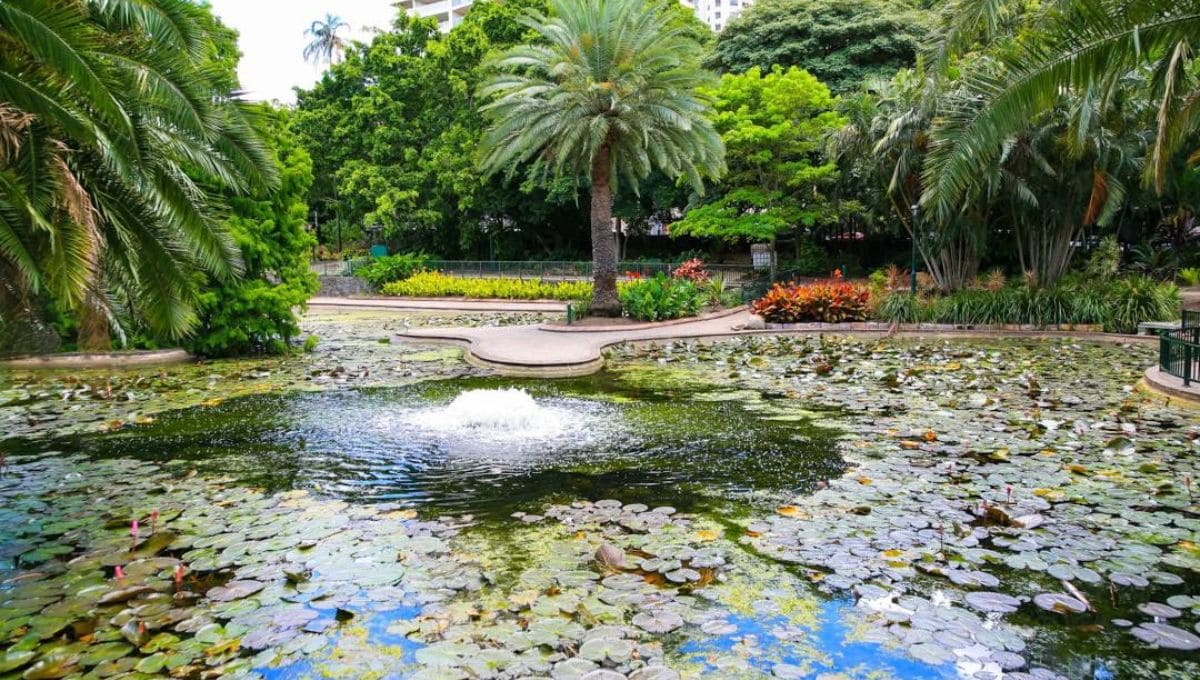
[
  {"x": 562, "y": 328},
  {"x": 1171, "y": 386},
  {"x": 158, "y": 357}
]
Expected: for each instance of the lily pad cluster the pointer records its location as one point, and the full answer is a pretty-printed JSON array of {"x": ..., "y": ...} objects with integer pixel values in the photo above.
[{"x": 991, "y": 493}]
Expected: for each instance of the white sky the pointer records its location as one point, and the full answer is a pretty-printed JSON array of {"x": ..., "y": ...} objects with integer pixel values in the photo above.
[{"x": 272, "y": 38}]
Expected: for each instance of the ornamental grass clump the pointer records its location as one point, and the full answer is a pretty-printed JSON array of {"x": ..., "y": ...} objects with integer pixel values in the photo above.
[{"x": 832, "y": 300}]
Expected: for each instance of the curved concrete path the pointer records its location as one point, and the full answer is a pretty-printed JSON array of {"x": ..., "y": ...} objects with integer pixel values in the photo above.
[{"x": 548, "y": 351}]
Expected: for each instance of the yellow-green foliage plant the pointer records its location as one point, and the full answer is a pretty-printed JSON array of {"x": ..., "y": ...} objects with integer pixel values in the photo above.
[{"x": 437, "y": 284}]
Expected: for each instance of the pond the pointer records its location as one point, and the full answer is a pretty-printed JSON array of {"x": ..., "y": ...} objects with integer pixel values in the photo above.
[{"x": 748, "y": 508}]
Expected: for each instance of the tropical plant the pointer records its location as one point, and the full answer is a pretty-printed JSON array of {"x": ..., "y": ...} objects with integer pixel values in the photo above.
[
  {"x": 326, "y": 45},
  {"x": 1118, "y": 305},
  {"x": 395, "y": 267},
  {"x": 609, "y": 92},
  {"x": 118, "y": 132},
  {"x": 256, "y": 313},
  {"x": 660, "y": 298},
  {"x": 1078, "y": 46},
  {"x": 693, "y": 270},
  {"x": 833, "y": 300}
]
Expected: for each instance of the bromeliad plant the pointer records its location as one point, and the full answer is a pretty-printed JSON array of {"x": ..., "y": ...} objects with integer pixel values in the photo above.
[{"x": 831, "y": 301}]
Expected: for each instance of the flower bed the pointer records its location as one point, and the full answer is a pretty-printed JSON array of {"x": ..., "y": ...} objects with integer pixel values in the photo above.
[
  {"x": 437, "y": 284},
  {"x": 833, "y": 300}
]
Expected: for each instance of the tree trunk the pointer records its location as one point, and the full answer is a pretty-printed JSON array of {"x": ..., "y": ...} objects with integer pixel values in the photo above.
[
  {"x": 604, "y": 255},
  {"x": 92, "y": 320}
]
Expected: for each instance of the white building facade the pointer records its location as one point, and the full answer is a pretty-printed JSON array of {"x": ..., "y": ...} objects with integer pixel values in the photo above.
[
  {"x": 716, "y": 13},
  {"x": 449, "y": 13}
]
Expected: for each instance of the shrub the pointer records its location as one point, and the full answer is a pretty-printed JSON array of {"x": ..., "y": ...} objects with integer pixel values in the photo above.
[
  {"x": 691, "y": 270},
  {"x": 384, "y": 270},
  {"x": 810, "y": 260},
  {"x": 437, "y": 284},
  {"x": 1105, "y": 261},
  {"x": 1119, "y": 305},
  {"x": 830, "y": 301},
  {"x": 1190, "y": 276},
  {"x": 660, "y": 298}
]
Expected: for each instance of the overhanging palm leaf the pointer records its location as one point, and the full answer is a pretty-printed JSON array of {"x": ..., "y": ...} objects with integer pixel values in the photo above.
[{"x": 1086, "y": 42}]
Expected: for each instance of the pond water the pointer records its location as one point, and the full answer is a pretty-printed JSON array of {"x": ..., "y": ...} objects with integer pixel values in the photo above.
[
  {"x": 485, "y": 446},
  {"x": 746, "y": 509}
]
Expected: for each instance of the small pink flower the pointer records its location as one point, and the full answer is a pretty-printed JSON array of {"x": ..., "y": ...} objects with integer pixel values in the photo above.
[
  {"x": 119, "y": 573},
  {"x": 133, "y": 529},
  {"x": 1008, "y": 490},
  {"x": 179, "y": 575}
]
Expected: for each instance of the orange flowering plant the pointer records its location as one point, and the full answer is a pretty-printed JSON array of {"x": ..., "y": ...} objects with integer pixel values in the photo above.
[{"x": 831, "y": 300}]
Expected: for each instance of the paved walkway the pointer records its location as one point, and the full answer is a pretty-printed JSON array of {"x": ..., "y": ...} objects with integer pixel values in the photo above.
[{"x": 440, "y": 304}]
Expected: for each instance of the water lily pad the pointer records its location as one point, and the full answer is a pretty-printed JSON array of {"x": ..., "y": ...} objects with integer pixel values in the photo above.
[
  {"x": 1166, "y": 636},
  {"x": 658, "y": 622},
  {"x": 1159, "y": 610},
  {"x": 234, "y": 590},
  {"x": 1059, "y": 603},
  {"x": 993, "y": 602}
]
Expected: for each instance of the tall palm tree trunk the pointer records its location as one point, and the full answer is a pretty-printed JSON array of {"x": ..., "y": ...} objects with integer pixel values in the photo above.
[{"x": 604, "y": 251}]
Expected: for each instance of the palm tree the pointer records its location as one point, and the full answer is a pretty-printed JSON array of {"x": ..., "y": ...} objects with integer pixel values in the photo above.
[
  {"x": 1077, "y": 45},
  {"x": 326, "y": 44},
  {"x": 114, "y": 146},
  {"x": 608, "y": 93}
]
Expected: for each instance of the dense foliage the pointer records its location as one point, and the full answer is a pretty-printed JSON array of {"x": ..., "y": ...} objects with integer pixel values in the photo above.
[
  {"x": 842, "y": 42},
  {"x": 396, "y": 267},
  {"x": 120, "y": 135},
  {"x": 437, "y": 284},
  {"x": 1118, "y": 305},
  {"x": 660, "y": 298},
  {"x": 774, "y": 127},
  {"x": 256, "y": 312},
  {"x": 833, "y": 300}
]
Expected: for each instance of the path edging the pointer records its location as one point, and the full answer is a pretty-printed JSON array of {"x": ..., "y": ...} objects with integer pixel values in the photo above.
[{"x": 156, "y": 357}]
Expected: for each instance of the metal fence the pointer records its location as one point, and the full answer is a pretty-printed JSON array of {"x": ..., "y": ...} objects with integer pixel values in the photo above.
[
  {"x": 537, "y": 269},
  {"x": 1179, "y": 350}
]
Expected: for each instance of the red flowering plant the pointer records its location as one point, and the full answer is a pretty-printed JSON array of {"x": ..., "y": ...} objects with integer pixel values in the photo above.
[
  {"x": 692, "y": 270},
  {"x": 632, "y": 275},
  {"x": 831, "y": 300}
]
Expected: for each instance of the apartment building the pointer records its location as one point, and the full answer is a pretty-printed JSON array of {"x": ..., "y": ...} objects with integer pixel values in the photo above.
[
  {"x": 716, "y": 13},
  {"x": 449, "y": 13}
]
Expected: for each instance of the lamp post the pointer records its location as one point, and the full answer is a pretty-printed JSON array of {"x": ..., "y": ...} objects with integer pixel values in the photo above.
[{"x": 912, "y": 267}]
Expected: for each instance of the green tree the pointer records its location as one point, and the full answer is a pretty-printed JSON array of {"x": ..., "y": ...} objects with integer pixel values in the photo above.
[
  {"x": 609, "y": 94},
  {"x": 255, "y": 313},
  {"x": 326, "y": 44},
  {"x": 841, "y": 42},
  {"x": 775, "y": 128},
  {"x": 118, "y": 139}
]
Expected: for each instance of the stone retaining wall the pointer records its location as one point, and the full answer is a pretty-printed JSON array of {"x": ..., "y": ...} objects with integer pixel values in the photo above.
[{"x": 342, "y": 286}]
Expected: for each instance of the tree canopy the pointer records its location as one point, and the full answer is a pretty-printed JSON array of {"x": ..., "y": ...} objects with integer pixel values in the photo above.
[
  {"x": 775, "y": 128},
  {"x": 841, "y": 42}
]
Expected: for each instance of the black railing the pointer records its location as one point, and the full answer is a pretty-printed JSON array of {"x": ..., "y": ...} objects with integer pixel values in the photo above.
[{"x": 1179, "y": 350}]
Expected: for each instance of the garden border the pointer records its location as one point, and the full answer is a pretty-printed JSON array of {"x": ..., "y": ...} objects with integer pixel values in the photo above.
[
  {"x": 121, "y": 359},
  {"x": 526, "y": 351}
]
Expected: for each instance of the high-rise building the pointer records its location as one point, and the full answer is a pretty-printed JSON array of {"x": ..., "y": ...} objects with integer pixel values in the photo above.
[
  {"x": 449, "y": 13},
  {"x": 716, "y": 13}
]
